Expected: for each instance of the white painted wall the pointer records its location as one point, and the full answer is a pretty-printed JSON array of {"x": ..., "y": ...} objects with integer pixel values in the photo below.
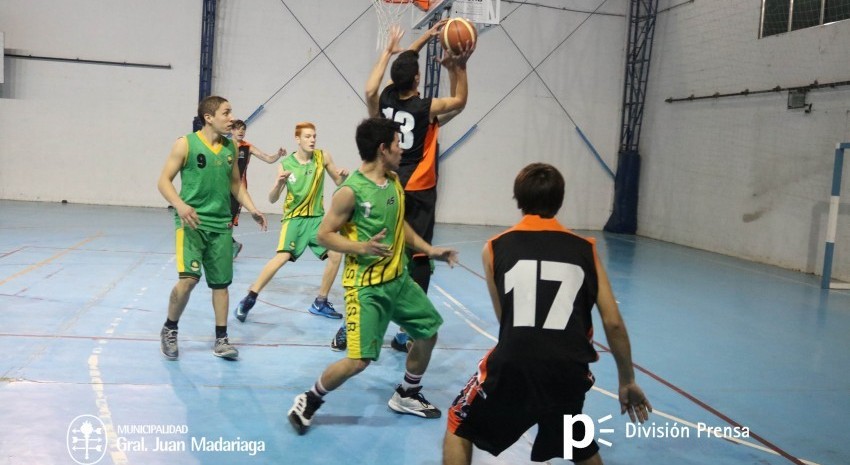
[
  {"x": 99, "y": 134},
  {"x": 744, "y": 176},
  {"x": 91, "y": 133}
]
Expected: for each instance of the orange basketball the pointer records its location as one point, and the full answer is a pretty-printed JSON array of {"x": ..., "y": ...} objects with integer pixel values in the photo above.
[{"x": 456, "y": 34}]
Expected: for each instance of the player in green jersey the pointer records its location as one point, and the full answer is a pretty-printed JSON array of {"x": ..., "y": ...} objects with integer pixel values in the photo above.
[
  {"x": 368, "y": 213},
  {"x": 206, "y": 161},
  {"x": 302, "y": 174}
]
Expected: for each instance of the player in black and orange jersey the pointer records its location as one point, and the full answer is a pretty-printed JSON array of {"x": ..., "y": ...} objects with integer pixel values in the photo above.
[
  {"x": 245, "y": 150},
  {"x": 543, "y": 281}
]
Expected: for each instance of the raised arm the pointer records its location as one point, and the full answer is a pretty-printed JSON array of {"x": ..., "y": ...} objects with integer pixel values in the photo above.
[
  {"x": 279, "y": 184},
  {"x": 459, "y": 87},
  {"x": 268, "y": 158},
  {"x": 373, "y": 83},
  {"x": 632, "y": 399},
  {"x": 337, "y": 174},
  {"x": 165, "y": 184},
  {"x": 420, "y": 41}
]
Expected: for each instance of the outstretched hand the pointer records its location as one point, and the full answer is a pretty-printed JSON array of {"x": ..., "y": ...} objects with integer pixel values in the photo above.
[
  {"x": 434, "y": 31},
  {"x": 444, "y": 254},
  {"x": 393, "y": 39},
  {"x": 634, "y": 402},
  {"x": 260, "y": 219},
  {"x": 374, "y": 246},
  {"x": 452, "y": 60},
  {"x": 281, "y": 152}
]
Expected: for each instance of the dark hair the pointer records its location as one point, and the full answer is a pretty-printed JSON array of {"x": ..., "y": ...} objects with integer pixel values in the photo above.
[
  {"x": 371, "y": 133},
  {"x": 209, "y": 105},
  {"x": 539, "y": 190},
  {"x": 404, "y": 70},
  {"x": 239, "y": 124}
]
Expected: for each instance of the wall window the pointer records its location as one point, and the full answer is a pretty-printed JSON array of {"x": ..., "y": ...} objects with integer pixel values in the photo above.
[{"x": 779, "y": 16}]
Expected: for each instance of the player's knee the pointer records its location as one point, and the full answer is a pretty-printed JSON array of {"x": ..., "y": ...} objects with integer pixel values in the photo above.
[
  {"x": 334, "y": 257},
  {"x": 358, "y": 365},
  {"x": 186, "y": 284},
  {"x": 281, "y": 258}
]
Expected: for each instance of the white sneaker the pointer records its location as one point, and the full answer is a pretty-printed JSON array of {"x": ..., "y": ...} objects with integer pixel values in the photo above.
[
  {"x": 301, "y": 413},
  {"x": 412, "y": 402}
]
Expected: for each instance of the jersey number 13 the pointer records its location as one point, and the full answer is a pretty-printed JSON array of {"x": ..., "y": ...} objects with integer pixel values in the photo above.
[{"x": 407, "y": 124}]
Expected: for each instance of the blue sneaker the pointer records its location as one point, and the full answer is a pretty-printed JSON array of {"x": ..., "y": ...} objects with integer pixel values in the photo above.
[
  {"x": 340, "y": 340},
  {"x": 325, "y": 309},
  {"x": 245, "y": 305},
  {"x": 401, "y": 342},
  {"x": 237, "y": 247}
]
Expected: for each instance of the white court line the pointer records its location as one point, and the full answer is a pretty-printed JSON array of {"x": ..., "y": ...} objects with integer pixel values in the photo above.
[{"x": 610, "y": 394}]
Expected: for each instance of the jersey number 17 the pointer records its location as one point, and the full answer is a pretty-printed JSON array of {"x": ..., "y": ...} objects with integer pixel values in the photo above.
[{"x": 522, "y": 279}]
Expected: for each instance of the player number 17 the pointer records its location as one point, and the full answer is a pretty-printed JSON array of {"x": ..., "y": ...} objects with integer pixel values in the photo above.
[{"x": 522, "y": 279}]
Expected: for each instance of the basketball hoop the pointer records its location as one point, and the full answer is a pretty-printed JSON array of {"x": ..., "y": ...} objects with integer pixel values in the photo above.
[{"x": 389, "y": 13}]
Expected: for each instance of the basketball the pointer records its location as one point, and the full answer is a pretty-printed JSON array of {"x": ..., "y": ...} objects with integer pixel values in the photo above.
[{"x": 456, "y": 34}]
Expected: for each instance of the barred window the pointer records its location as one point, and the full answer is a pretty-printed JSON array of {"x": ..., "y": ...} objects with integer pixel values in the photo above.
[{"x": 780, "y": 16}]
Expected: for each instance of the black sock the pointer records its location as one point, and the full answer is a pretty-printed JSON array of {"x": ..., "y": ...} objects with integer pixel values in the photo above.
[
  {"x": 252, "y": 294},
  {"x": 170, "y": 324},
  {"x": 220, "y": 331}
]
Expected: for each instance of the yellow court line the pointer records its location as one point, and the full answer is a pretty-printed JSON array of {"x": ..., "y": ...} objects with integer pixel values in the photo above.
[{"x": 50, "y": 259}]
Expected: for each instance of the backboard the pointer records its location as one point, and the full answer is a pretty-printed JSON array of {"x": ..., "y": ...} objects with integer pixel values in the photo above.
[
  {"x": 436, "y": 9},
  {"x": 483, "y": 13}
]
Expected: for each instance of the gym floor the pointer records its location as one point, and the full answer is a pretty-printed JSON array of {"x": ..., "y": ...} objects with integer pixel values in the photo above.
[{"x": 720, "y": 345}]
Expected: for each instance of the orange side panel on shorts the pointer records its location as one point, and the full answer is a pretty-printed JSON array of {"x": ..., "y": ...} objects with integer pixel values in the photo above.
[{"x": 470, "y": 392}]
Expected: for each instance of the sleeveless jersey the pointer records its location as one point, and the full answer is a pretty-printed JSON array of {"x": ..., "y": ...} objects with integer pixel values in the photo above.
[
  {"x": 244, "y": 148},
  {"x": 547, "y": 286},
  {"x": 418, "y": 168},
  {"x": 205, "y": 182},
  {"x": 375, "y": 208},
  {"x": 305, "y": 188}
]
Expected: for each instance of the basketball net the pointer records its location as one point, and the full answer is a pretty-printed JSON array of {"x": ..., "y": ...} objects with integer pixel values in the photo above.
[{"x": 390, "y": 12}]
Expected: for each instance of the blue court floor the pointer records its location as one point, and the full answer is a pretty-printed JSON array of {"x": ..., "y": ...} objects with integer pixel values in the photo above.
[{"x": 720, "y": 344}]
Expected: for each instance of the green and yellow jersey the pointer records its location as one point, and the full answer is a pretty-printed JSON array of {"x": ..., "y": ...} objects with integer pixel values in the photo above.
[
  {"x": 205, "y": 182},
  {"x": 305, "y": 188},
  {"x": 375, "y": 208}
]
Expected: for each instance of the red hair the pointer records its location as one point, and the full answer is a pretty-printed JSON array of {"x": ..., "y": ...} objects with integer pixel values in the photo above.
[{"x": 302, "y": 126}]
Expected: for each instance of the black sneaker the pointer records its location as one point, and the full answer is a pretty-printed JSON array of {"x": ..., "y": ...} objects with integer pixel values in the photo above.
[
  {"x": 413, "y": 402},
  {"x": 168, "y": 343},
  {"x": 301, "y": 413},
  {"x": 245, "y": 305},
  {"x": 401, "y": 342},
  {"x": 340, "y": 340}
]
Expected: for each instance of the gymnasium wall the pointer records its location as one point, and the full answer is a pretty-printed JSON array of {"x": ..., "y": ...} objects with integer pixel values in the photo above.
[
  {"x": 100, "y": 134},
  {"x": 94, "y": 133},
  {"x": 744, "y": 176}
]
